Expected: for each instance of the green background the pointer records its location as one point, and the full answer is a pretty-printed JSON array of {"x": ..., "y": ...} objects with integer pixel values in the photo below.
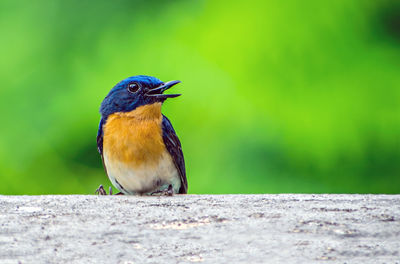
[{"x": 278, "y": 96}]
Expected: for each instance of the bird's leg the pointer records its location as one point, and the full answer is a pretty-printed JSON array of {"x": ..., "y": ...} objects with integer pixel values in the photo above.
[
  {"x": 110, "y": 190},
  {"x": 170, "y": 190},
  {"x": 100, "y": 190}
]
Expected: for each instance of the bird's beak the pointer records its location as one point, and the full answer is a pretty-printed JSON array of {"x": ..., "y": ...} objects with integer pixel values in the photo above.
[{"x": 158, "y": 91}]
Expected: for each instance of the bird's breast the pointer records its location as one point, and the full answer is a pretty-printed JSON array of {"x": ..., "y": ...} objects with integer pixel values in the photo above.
[
  {"x": 134, "y": 153},
  {"x": 135, "y": 137}
]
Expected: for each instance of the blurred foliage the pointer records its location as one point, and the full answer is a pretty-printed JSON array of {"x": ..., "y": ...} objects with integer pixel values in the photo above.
[{"x": 288, "y": 96}]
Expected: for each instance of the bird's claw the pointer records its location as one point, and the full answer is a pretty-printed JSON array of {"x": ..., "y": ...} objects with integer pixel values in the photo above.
[{"x": 101, "y": 191}]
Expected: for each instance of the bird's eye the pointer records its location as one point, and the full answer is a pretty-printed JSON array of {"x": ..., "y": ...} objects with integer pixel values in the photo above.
[{"x": 133, "y": 87}]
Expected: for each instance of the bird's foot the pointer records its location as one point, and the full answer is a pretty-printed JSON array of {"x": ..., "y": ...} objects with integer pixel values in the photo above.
[
  {"x": 101, "y": 191},
  {"x": 166, "y": 192}
]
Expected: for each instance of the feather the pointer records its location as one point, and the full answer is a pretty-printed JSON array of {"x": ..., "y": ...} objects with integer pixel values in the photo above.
[{"x": 174, "y": 148}]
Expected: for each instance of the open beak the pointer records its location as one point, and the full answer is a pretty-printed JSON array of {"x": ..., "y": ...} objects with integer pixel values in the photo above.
[{"x": 158, "y": 91}]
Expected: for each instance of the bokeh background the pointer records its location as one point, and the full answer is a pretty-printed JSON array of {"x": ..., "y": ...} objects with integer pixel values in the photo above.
[{"x": 278, "y": 96}]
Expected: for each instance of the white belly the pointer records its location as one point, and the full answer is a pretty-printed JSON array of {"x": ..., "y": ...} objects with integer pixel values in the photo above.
[{"x": 144, "y": 178}]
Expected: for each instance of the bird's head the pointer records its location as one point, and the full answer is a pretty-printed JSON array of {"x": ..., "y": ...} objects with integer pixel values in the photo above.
[{"x": 133, "y": 92}]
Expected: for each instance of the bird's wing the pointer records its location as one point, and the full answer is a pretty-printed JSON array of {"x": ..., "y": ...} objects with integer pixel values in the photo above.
[
  {"x": 100, "y": 142},
  {"x": 174, "y": 148},
  {"x": 100, "y": 137}
]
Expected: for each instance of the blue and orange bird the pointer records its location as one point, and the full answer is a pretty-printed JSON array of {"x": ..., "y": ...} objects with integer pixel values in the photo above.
[{"x": 140, "y": 151}]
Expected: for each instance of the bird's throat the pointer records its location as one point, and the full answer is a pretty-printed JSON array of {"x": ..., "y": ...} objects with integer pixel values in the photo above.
[{"x": 150, "y": 111}]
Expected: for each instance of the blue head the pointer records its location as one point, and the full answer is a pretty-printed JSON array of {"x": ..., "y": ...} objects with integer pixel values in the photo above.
[{"x": 133, "y": 92}]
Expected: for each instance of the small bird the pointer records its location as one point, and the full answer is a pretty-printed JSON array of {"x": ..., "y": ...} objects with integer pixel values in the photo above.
[{"x": 140, "y": 151}]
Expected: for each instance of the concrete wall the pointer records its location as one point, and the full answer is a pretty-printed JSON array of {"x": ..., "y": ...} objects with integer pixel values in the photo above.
[{"x": 200, "y": 228}]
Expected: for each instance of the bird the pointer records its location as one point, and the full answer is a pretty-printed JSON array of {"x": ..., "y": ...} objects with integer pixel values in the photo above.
[{"x": 140, "y": 151}]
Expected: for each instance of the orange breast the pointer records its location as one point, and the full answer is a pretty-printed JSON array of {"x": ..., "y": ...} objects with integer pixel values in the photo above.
[{"x": 135, "y": 138}]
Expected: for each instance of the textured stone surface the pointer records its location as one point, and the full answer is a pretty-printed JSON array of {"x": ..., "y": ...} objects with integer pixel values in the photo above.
[{"x": 200, "y": 228}]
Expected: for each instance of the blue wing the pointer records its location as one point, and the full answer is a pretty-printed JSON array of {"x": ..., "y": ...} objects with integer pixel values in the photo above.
[
  {"x": 174, "y": 148},
  {"x": 100, "y": 137}
]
